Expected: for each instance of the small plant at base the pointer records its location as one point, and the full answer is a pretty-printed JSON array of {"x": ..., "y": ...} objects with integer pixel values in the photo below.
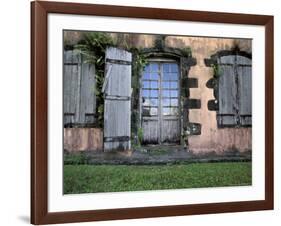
[
  {"x": 140, "y": 136},
  {"x": 217, "y": 70},
  {"x": 185, "y": 135}
]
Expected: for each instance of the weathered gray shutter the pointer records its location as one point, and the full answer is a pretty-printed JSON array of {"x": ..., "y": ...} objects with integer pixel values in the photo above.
[
  {"x": 71, "y": 78},
  {"x": 227, "y": 92},
  {"x": 117, "y": 92},
  {"x": 79, "y": 90},
  {"x": 87, "y": 94},
  {"x": 244, "y": 71}
]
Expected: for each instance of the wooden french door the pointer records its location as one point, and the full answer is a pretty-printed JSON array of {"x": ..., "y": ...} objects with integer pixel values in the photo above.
[{"x": 160, "y": 103}]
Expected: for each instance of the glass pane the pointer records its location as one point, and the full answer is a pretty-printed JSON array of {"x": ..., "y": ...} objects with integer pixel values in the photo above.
[
  {"x": 153, "y": 111},
  {"x": 166, "y": 76},
  {"x": 166, "y": 67},
  {"x": 165, "y": 85},
  {"x": 174, "y": 76},
  {"x": 154, "y": 102},
  {"x": 174, "y": 102},
  {"x": 145, "y": 93},
  {"x": 174, "y": 85},
  {"x": 154, "y": 93},
  {"x": 174, "y": 93},
  {"x": 166, "y": 93},
  {"x": 145, "y": 84},
  {"x": 165, "y": 102},
  {"x": 145, "y": 76},
  {"x": 154, "y": 76},
  {"x": 174, "y": 67},
  {"x": 166, "y": 111},
  {"x": 174, "y": 111},
  {"x": 153, "y": 67},
  {"x": 154, "y": 85}
]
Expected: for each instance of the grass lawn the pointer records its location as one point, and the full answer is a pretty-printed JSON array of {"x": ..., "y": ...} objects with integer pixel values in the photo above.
[{"x": 114, "y": 178}]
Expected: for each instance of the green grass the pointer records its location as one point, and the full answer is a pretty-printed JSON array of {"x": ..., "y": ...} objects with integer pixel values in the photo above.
[{"x": 114, "y": 178}]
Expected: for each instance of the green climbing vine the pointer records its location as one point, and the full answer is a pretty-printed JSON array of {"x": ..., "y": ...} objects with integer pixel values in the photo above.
[
  {"x": 139, "y": 62},
  {"x": 217, "y": 70}
]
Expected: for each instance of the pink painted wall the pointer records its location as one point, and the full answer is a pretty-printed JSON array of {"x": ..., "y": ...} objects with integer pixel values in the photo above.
[{"x": 82, "y": 139}]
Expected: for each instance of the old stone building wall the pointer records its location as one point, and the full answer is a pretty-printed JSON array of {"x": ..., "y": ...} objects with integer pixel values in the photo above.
[{"x": 211, "y": 138}]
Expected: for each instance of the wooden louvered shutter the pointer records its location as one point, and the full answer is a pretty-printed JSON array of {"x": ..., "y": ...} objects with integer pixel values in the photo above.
[
  {"x": 71, "y": 78},
  {"x": 244, "y": 71},
  {"x": 87, "y": 106},
  {"x": 227, "y": 113},
  {"x": 117, "y": 92},
  {"x": 79, "y": 90}
]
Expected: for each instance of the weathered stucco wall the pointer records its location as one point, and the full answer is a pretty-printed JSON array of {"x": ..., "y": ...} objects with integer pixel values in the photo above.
[{"x": 83, "y": 139}]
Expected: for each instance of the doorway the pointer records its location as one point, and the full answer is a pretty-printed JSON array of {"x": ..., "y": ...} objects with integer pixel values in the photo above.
[{"x": 160, "y": 98}]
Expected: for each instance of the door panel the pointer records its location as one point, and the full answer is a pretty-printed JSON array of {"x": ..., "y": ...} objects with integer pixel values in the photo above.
[
  {"x": 170, "y": 124},
  {"x": 150, "y": 104},
  {"x": 151, "y": 130},
  {"x": 170, "y": 130}
]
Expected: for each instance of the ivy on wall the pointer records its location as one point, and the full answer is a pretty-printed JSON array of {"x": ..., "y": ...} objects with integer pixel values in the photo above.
[{"x": 139, "y": 62}]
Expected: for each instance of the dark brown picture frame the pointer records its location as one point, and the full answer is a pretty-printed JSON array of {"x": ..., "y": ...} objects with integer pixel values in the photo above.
[{"x": 39, "y": 112}]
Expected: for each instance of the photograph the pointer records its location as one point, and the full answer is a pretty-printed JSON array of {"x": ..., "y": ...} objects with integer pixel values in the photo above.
[
  {"x": 143, "y": 112},
  {"x": 155, "y": 112}
]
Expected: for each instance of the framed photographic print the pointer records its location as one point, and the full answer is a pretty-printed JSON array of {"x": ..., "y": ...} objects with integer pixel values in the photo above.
[{"x": 147, "y": 112}]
